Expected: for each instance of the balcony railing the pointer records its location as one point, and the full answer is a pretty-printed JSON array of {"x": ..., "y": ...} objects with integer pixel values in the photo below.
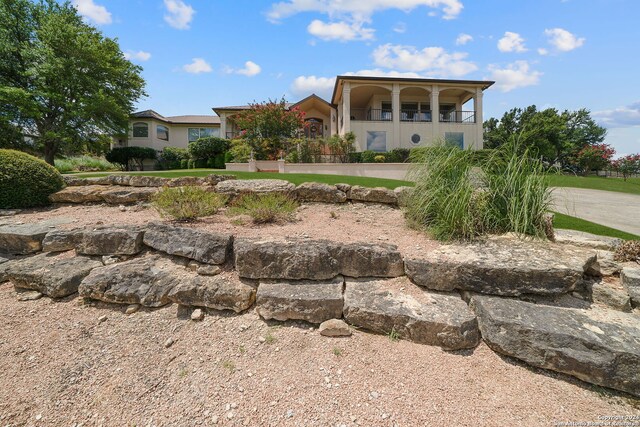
[
  {"x": 415, "y": 115},
  {"x": 368, "y": 114},
  {"x": 458, "y": 117}
]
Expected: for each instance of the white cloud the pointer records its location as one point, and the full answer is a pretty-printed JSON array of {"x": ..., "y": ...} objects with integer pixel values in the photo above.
[
  {"x": 358, "y": 10},
  {"x": 197, "y": 66},
  {"x": 138, "y": 56},
  {"x": 250, "y": 69},
  {"x": 542, "y": 51},
  {"x": 463, "y": 39},
  {"x": 432, "y": 60},
  {"x": 342, "y": 31},
  {"x": 179, "y": 14},
  {"x": 400, "y": 28},
  {"x": 306, "y": 85},
  {"x": 563, "y": 40},
  {"x": 515, "y": 75},
  {"x": 511, "y": 42},
  {"x": 93, "y": 12},
  {"x": 619, "y": 117}
]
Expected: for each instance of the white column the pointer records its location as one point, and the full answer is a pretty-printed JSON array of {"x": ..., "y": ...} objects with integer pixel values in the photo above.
[
  {"x": 477, "y": 106},
  {"x": 435, "y": 112},
  {"x": 223, "y": 125},
  {"x": 346, "y": 106},
  {"x": 395, "y": 116},
  {"x": 458, "y": 110}
]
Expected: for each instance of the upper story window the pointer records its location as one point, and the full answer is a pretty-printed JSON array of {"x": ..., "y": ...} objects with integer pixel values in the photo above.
[
  {"x": 197, "y": 133},
  {"x": 140, "y": 130},
  {"x": 163, "y": 132}
]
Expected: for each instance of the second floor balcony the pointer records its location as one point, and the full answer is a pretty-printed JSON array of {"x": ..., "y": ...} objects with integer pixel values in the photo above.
[{"x": 424, "y": 116}]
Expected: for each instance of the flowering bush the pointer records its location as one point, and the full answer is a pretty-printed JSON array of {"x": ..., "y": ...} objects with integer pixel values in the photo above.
[
  {"x": 595, "y": 157},
  {"x": 627, "y": 165}
]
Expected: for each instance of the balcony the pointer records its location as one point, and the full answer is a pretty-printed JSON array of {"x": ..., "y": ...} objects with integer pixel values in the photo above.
[
  {"x": 415, "y": 115},
  {"x": 371, "y": 115},
  {"x": 458, "y": 117}
]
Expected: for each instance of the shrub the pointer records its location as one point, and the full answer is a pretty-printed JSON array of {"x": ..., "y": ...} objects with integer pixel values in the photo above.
[
  {"x": 355, "y": 157},
  {"x": 368, "y": 156},
  {"x": 83, "y": 164},
  {"x": 128, "y": 157},
  {"x": 380, "y": 158},
  {"x": 397, "y": 155},
  {"x": 184, "y": 164},
  {"x": 187, "y": 203},
  {"x": 206, "y": 148},
  {"x": 265, "y": 208},
  {"x": 628, "y": 251},
  {"x": 26, "y": 181},
  {"x": 172, "y": 157},
  {"x": 454, "y": 199},
  {"x": 240, "y": 151},
  {"x": 199, "y": 163}
]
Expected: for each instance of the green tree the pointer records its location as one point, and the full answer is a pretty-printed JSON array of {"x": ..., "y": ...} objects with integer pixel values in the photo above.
[
  {"x": 61, "y": 79},
  {"x": 268, "y": 126},
  {"x": 554, "y": 136}
]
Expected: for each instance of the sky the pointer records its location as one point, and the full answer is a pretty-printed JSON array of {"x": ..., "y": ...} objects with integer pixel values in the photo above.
[{"x": 563, "y": 54}]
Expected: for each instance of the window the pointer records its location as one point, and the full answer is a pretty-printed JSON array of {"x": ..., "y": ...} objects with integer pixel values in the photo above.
[
  {"x": 377, "y": 141},
  {"x": 454, "y": 138},
  {"x": 408, "y": 111},
  {"x": 163, "y": 132},
  {"x": 140, "y": 130},
  {"x": 197, "y": 133}
]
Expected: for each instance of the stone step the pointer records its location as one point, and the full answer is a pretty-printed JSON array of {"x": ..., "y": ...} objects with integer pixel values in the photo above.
[
  {"x": 502, "y": 267},
  {"x": 122, "y": 240},
  {"x": 23, "y": 239},
  {"x": 202, "y": 246},
  {"x": 313, "y": 302},
  {"x": 597, "y": 346},
  {"x": 392, "y": 307}
]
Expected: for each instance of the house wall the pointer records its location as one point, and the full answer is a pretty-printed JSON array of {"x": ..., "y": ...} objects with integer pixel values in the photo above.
[{"x": 178, "y": 134}]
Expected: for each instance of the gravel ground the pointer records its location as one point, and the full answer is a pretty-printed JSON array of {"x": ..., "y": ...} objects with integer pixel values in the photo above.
[{"x": 65, "y": 365}]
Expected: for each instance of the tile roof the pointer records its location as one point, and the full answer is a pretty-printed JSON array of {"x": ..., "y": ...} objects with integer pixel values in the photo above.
[{"x": 188, "y": 119}]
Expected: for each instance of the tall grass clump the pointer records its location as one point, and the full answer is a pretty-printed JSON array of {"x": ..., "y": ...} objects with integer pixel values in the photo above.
[
  {"x": 187, "y": 203},
  {"x": 83, "y": 164},
  {"x": 265, "y": 208},
  {"x": 459, "y": 197}
]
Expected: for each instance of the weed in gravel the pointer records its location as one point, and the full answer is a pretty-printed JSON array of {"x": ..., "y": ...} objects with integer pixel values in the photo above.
[
  {"x": 337, "y": 351},
  {"x": 229, "y": 365},
  {"x": 269, "y": 338},
  {"x": 242, "y": 349},
  {"x": 265, "y": 208},
  {"x": 187, "y": 203},
  {"x": 333, "y": 215},
  {"x": 183, "y": 372},
  {"x": 393, "y": 335}
]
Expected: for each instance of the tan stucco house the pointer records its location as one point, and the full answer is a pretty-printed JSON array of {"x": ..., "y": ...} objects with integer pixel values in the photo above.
[{"x": 383, "y": 112}]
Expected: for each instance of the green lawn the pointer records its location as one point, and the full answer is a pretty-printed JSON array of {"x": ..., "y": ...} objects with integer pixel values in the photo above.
[
  {"x": 573, "y": 223},
  {"x": 631, "y": 185},
  {"x": 296, "y": 178}
]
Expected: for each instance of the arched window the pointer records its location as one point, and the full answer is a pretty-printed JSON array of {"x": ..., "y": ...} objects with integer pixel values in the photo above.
[
  {"x": 163, "y": 132},
  {"x": 140, "y": 130}
]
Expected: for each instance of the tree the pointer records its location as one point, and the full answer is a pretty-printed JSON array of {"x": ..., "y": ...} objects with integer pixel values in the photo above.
[
  {"x": 269, "y": 125},
  {"x": 129, "y": 157},
  {"x": 555, "y": 137},
  {"x": 208, "y": 147},
  {"x": 627, "y": 165},
  {"x": 595, "y": 157},
  {"x": 60, "y": 78}
]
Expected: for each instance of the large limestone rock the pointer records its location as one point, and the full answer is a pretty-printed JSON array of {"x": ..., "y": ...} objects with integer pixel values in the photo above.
[
  {"x": 580, "y": 238},
  {"x": 146, "y": 281},
  {"x": 502, "y": 267},
  {"x": 234, "y": 188},
  {"x": 631, "y": 281},
  {"x": 215, "y": 178},
  {"x": 22, "y": 239},
  {"x": 147, "y": 181},
  {"x": 128, "y": 195},
  {"x": 317, "y": 192},
  {"x": 403, "y": 195},
  {"x": 202, "y": 246},
  {"x": 184, "y": 181},
  {"x": 222, "y": 292},
  {"x": 4, "y": 265},
  {"x": 124, "y": 240},
  {"x": 598, "y": 346},
  {"x": 313, "y": 302},
  {"x": 84, "y": 194},
  {"x": 55, "y": 276},
  {"x": 314, "y": 259},
  {"x": 426, "y": 318},
  {"x": 373, "y": 195},
  {"x": 604, "y": 293}
]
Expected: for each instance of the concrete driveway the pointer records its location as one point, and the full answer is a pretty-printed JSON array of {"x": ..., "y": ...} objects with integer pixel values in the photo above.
[{"x": 613, "y": 209}]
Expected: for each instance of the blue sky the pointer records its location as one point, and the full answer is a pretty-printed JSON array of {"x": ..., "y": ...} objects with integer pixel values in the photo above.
[{"x": 565, "y": 54}]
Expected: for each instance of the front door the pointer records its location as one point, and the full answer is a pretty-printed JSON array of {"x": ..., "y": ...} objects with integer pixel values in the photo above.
[{"x": 313, "y": 128}]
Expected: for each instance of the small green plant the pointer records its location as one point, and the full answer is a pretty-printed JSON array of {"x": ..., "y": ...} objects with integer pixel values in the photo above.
[
  {"x": 337, "y": 351},
  {"x": 26, "y": 181},
  {"x": 229, "y": 365},
  {"x": 269, "y": 338},
  {"x": 379, "y": 158},
  {"x": 333, "y": 215},
  {"x": 83, "y": 164},
  {"x": 242, "y": 349},
  {"x": 187, "y": 203},
  {"x": 393, "y": 335},
  {"x": 265, "y": 208},
  {"x": 183, "y": 372}
]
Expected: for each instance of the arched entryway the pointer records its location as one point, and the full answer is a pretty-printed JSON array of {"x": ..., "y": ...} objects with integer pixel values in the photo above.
[{"x": 313, "y": 128}]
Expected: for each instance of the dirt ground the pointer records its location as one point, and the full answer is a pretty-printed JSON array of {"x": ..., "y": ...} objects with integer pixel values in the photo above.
[{"x": 64, "y": 364}]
